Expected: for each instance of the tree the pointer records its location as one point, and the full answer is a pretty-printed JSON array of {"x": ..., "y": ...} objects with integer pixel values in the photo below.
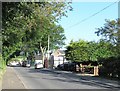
[
  {"x": 30, "y": 23},
  {"x": 88, "y": 51},
  {"x": 14, "y": 24},
  {"x": 111, "y": 32},
  {"x": 56, "y": 35},
  {"x": 77, "y": 51},
  {"x": 104, "y": 49},
  {"x": 92, "y": 51},
  {"x": 110, "y": 59}
]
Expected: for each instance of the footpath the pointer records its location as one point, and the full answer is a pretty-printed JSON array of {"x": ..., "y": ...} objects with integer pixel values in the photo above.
[{"x": 11, "y": 80}]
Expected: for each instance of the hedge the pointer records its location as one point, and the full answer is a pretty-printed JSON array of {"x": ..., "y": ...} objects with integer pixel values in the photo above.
[{"x": 110, "y": 67}]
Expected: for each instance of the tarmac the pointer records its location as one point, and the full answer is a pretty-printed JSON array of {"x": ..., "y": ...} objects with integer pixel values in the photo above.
[
  {"x": 96, "y": 79},
  {"x": 12, "y": 81}
]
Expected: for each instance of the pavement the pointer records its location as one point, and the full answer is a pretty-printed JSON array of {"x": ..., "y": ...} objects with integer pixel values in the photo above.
[{"x": 11, "y": 80}]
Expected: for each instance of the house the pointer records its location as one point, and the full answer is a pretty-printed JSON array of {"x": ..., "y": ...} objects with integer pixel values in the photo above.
[
  {"x": 39, "y": 63},
  {"x": 38, "y": 57},
  {"x": 58, "y": 57},
  {"x": 58, "y": 53}
]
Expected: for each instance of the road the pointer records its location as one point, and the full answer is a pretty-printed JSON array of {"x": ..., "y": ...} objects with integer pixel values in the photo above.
[{"x": 45, "y": 79}]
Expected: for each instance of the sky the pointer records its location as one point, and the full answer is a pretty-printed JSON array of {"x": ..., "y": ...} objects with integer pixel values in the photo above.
[{"x": 86, "y": 30}]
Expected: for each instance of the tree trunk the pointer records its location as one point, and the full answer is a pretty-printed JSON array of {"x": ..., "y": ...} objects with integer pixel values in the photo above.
[{"x": 43, "y": 53}]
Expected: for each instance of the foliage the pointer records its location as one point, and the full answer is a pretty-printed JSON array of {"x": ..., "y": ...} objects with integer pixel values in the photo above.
[
  {"x": 110, "y": 67},
  {"x": 26, "y": 25},
  {"x": 2, "y": 63},
  {"x": 88, "y": 51},
  {"x": 104, "y": 49},
  {"x": 77, "y": 51},
  {"x": 111, "y": 32}
]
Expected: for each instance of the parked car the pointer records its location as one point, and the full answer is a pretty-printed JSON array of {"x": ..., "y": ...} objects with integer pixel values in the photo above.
[
  {"x": 60, "y": 67},
  {"x": 64, "y": 66},
  {"x": 14, "y": 63},
  {"x": 38, "y": 64},
  {"x": 24, "y": 64},
  {"x": 71, "y": 66},
  {"x": 68, "y": 66},
  {"x": 28, "y": 65}
]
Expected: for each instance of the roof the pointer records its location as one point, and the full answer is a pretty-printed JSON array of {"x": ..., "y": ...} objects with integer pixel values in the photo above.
[
  {"x": 38, "y": 57},
  {"x": 62, "y": 51},
  {"x": 58, "y": 52}
]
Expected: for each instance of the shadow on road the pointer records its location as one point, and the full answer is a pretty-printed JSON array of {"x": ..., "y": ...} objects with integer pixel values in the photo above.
[{"x": 73, "y": 78}]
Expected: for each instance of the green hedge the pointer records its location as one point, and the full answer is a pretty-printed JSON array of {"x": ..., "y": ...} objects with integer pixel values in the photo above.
[
  {"x": 110, "y": 67},
  {"x": 2, "y": 63}
]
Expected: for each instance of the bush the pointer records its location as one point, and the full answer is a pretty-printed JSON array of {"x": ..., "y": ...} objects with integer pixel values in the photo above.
[
  {"x": 110, "y": 67},
  {"x": 2, "y": 63}
]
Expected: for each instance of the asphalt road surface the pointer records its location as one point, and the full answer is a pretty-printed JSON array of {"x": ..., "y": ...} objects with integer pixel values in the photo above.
[{"x": 44, "y": 79}]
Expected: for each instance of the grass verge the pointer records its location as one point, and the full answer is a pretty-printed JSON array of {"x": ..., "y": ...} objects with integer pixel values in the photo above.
[{"x": 2, "y": 71}]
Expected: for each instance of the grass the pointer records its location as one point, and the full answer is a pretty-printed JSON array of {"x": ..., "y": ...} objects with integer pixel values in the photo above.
[
  {"x": 2, "y": 67},
  {"x": 2, "y": 70}
]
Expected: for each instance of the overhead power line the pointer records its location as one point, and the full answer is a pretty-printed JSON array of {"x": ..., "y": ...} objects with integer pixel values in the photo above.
[{"x": 93, "y": 15}]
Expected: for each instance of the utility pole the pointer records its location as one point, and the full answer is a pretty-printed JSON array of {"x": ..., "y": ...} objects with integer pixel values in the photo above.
[{"x": 48, "y": 45}]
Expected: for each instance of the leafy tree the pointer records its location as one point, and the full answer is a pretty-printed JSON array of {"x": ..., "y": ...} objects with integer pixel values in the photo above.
[
  {"x": 111, "y": 32},
  {"x": 14, "y": 24},
  {"x": 25, "y": 24},
  {"x": 77, "y": 51},
  {"x": 104, "y": 49},
  {"x": 88, "y": 51},
  {"x": 110, "y": 53},
  {"x": 92, "y": 51}
]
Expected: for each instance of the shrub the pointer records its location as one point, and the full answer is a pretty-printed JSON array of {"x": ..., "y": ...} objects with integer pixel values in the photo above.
[{"x": 110, "y": 67}]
